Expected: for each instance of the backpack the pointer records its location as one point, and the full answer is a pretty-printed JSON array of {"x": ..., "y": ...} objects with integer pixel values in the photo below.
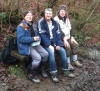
[{"x": 10, "y": 45}]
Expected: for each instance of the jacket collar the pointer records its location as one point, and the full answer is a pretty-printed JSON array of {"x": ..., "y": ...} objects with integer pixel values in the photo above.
[
  {"x": 54, "y": 23},
  {"x": 26, "y": 25},
  {"x": 63, "y": 19}
]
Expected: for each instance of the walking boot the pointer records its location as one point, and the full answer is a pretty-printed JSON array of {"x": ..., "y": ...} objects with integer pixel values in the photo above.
[
  {"x": 78, "y": 64},
  {"x": 70, "y": 67},
  {"x": 68, "y": 73},
  {"x": 54, "y": 78}
]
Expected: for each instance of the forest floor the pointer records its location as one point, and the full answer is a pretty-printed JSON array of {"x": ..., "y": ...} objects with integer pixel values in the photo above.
[{"x": 87, "y": 79}]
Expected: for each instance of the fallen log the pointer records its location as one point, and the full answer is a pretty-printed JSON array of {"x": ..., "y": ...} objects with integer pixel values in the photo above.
[
  {"x": 18, "y": 56},
  {"x": 85, "y": 52},
  {"x": 82, "y": 51}
]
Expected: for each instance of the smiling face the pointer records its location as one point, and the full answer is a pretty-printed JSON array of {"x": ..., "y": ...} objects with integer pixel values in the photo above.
[
  {"x": 62, "y": 13},
  {"x": 48, "y": 15},
  {"x": 28, "y": 17}
]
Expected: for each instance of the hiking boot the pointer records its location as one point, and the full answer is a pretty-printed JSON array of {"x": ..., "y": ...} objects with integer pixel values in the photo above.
[
  {"x": 77, "y": 64},
  {"x": 33, "y": 78},
  {"x": 44, "y": 74},
  {"x": 68, "y": 74},
  {"x": 54, "y": 78},
  {"x": 70, "y": 67}
]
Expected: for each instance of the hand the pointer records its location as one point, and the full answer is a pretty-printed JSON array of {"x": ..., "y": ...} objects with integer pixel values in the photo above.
[
  {"x": 57, "y": 47},
  {"x": 51, "y": 47},
  {"x": 66, "y": 44},
  {"x": 36, "y": 38},
  {"x": 73, "y": 40}
]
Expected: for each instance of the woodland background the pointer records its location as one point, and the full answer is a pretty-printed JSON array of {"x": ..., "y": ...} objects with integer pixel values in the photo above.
[{"x": 85, "y": 18}]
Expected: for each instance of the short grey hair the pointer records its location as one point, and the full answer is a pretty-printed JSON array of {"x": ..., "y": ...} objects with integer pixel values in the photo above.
[{"x": 48, "y": 10}]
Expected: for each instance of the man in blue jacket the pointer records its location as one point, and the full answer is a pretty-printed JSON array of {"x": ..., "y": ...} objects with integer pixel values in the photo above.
[
  {"x": 28, "y": 44},
  {"x": 51, "y": 41}
]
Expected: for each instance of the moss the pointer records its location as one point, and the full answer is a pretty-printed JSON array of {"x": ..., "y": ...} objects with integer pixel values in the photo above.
[
  {"x": 97, "y": 28},
  {"x": 3, "y": 17}
]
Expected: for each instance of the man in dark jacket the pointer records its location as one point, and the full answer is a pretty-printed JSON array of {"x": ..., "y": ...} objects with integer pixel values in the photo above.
[
  {"x": 28, "y": 44},
  {"x": 51, "y": 41}
]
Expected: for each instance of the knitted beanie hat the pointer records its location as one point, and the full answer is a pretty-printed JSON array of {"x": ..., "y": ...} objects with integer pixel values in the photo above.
[{"x": 27, "y": 13}]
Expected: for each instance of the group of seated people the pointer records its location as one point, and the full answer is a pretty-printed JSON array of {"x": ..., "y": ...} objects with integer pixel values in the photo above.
[{"x": 41, "y": 41}]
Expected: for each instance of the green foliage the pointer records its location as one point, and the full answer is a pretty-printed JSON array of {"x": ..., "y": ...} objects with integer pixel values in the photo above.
[
  {"x": 10, "y": 17},
  {"x": 46, "y": 5},
  {"x": 97, "y": 28},
  {"x": 87, "y": 38},
  {"x": 15, "y": 17},
  {"x": 79, "y": 36},
  {"x": 3, "y": 18},
  {"x": 84, "y": 19},
  {"x": 16, "y": 70},
  {"x": 27, "y": 2},
  {"x": 78, "y": 24},
  {"x": 74, "y": 14},
  {"x": 78, "y": 21},
  {"x": 38, "y": 7}
]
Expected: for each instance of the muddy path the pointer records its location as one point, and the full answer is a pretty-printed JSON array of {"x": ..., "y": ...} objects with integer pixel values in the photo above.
[{"x": 87, "y": 79}]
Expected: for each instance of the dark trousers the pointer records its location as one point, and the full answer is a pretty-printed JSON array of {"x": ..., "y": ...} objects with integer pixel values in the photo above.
[{"x": 72, "y": 50}]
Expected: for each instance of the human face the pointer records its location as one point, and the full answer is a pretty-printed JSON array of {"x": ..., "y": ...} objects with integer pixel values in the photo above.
[
  {"x": 29, "y": 17},
  {"x": 48, "y": 15},
  {"x": 62, "y": 13}
]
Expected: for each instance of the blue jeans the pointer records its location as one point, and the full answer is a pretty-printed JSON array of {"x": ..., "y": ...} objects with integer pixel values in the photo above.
[
  {"x": 63, "y": 59},
  {"x": 74, "y": 58}
]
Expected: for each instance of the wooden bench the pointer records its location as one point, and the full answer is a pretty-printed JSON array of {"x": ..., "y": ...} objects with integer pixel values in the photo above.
[
  {"x": 81, "y": 51},
  {"x": 18, "y": 56}
]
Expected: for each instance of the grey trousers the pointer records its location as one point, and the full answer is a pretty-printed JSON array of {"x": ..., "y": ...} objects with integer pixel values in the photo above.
[{"x": 38, "y": 54}]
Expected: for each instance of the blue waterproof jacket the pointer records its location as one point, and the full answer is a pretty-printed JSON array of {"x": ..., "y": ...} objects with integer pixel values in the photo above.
[
  {"x": 24, "y": 39},
  {"x": 45, "y": 35}
]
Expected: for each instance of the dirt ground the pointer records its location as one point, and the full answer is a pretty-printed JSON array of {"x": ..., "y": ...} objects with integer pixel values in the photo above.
[{"x": 87, "y": 79}]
